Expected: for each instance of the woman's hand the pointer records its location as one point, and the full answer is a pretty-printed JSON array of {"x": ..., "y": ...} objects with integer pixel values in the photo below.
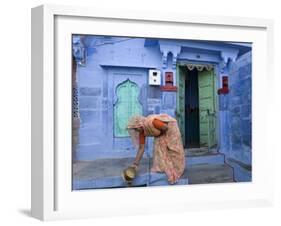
[{"x": 135, "y": 165}]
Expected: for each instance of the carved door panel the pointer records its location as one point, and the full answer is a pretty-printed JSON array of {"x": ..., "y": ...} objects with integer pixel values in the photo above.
[
  {"x": 180, "y": 111},
  {"x": 127, "y": 97},
  {"x": 127, "y": 105},
  {"x": 207, "y": 108}
]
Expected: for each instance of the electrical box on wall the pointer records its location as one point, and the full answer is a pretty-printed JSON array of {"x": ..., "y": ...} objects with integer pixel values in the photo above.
[{"x": 154, "y": 77}]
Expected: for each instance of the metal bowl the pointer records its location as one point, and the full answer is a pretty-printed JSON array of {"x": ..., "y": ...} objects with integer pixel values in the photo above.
[{"x": 129, "y": 174}]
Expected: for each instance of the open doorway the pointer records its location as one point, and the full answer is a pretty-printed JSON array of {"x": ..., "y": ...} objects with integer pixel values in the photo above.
[
  {"x": 196, "y": 105},
  {"x": 192, "y": 137}
]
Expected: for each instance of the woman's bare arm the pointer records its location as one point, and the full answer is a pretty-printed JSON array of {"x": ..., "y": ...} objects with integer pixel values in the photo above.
[{"x": 139, "y": 155}]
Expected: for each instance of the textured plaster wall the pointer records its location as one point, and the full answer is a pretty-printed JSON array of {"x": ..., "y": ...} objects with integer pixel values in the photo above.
[
  {"x": 109, "y": 62},
  {"x": 239, "y": 153},
  {"x": 112, "y": 60}
]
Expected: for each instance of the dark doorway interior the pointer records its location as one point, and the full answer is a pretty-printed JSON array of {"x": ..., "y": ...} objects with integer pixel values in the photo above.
[{"x": 192, "y": 136}]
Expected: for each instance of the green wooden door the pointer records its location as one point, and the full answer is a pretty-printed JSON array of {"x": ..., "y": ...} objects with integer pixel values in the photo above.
[
  {"x": 180, "y": 112},
  {"x": 126, "y": 106},
  {"x": 207, "y": 108}
]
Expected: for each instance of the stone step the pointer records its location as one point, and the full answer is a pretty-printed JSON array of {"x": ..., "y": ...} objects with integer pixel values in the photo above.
[
  {"x": 195, "y": 174},
  {"x": 209, "y": 173},
  {"x": 203, "y": 155},
  {"x": 106, "y": 173},
  {"x": 211, "y": 158},
  {"x": 142, "y": 180}
]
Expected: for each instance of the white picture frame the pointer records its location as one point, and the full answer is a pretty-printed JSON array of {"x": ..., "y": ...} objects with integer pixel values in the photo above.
[{"x": 52, "y": 197}]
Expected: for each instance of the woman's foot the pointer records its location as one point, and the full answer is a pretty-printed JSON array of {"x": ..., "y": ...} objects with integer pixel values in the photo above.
[
  {"x": 155, "y": 170},
  {"x": 173, "y": 179}
]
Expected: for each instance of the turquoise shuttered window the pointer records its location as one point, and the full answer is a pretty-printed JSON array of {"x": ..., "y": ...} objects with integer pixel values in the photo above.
[{"x": 126, "y": 106}]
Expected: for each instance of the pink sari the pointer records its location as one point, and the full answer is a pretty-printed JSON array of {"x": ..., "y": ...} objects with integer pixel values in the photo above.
[{"x": 168, "y": 153}]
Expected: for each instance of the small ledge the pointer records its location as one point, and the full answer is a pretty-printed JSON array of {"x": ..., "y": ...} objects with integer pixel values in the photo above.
[
  {"x": 127, "y": 66},
  {"x": 169, "y": 88}
]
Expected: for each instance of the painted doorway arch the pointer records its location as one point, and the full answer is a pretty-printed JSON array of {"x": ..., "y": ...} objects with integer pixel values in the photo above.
[{"x": 126, "y": 106}]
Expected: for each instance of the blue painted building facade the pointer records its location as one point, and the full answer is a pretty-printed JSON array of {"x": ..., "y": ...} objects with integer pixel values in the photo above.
[{"x": 103, "y": 64}]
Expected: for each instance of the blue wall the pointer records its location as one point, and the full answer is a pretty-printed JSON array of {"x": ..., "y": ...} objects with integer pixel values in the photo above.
[
  {"x": 108, "y": 61},
  {"x": 237, "y": 107}
]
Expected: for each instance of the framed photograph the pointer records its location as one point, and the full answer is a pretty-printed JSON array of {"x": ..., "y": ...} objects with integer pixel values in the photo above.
[{"x": 135, "y": 112}]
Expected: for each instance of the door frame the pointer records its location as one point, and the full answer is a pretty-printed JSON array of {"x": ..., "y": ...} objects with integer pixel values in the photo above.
[
  {"x": 115, "y": 76},
  {"x": 217, "y": 79}
]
